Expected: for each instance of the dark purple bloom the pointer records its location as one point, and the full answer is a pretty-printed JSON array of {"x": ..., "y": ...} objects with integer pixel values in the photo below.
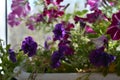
[
  {"x": 100, "y": 58},
  {"x": 29, "y": 46},
  {"x": 93, "y": 17},
  {"x": 55, "y": 59},
  {"x": 114, "y": 29},
  {"x": 59, "y": 31},
  {"x": 65, "y": 48},
  {"x": 12, "y": 55},
  {"x": 13, "y": 20},
  {"x": 20, "y": 7}
]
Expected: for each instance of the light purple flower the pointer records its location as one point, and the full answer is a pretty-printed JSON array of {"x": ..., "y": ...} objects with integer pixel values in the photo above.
[
  {"x": 101, "y": 41},
  {"x": 13, "y": 19},
  {"x": 114, "y": 29},
  {"x": 20, "y": 7}
]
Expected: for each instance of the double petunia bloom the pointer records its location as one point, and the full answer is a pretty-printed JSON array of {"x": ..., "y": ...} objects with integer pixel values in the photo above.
[{"x": 29, "y": 46}]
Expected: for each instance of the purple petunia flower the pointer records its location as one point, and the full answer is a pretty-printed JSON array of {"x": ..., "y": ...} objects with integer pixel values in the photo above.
[
  {"x": 12, "y": 55},
  {"x": 55, "y": 59},
  {"x": 93, "y": 17},
  {"x": 59, "y": 31},
  {"x": 20, "y": 7},
  {"x": 29, "y": 46},
  {"x": 13, "y": 20},
  {"x": 65, "y": 48},
  {"x": 114, "y": 29},
  {"x": 100, "y": 58}
]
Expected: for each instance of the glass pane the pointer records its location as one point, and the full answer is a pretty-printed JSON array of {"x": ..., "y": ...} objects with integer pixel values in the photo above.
[{"x": 2, "y": 20}]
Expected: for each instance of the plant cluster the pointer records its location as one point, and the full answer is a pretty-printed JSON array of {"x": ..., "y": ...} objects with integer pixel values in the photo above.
[{"x": 81, "y": 41}]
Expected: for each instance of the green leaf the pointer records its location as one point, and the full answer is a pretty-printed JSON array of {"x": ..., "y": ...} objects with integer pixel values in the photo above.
[
  {"x": 67, "y": 16},
  {"x": 81, "y": 13}
]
